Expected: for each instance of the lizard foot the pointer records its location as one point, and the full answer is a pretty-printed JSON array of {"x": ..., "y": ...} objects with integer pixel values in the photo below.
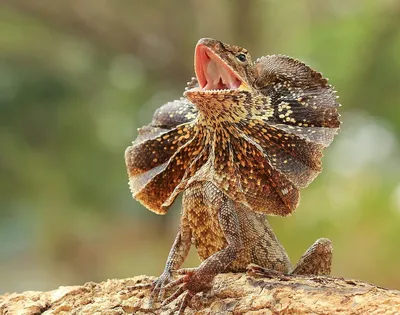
[
  {"x": 191, "y": 283},
  {"x": 317, "y": 260},
  {"x": 157, "y": 288},
  {"x": 258, "y": 271}
]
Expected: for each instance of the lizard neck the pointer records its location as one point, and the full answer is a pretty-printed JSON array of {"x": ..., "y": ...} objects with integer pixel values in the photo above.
[{"x": 220, "y": 110}]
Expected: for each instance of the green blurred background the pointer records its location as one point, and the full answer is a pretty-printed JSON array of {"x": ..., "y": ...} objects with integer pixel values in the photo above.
[{"x": 77, "y": 78}]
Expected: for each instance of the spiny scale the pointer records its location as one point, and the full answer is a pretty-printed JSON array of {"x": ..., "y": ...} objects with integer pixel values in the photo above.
[{"x": 257, "y": 146}]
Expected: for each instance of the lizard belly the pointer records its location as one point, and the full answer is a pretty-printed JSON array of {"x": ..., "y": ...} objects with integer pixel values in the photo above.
[
  {"x": 261, "y": 246},
  {"x": 207, "y": 235}
]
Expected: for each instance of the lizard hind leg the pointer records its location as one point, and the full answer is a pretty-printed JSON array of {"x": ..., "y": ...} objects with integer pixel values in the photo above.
[{"x": 317, "y": 260}]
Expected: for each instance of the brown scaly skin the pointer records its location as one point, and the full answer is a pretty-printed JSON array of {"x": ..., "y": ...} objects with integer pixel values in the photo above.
[{"x": 237, "y": 155}]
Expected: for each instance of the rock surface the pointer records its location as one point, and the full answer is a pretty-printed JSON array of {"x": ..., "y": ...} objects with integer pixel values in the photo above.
[{"x": 231, "y": 294}]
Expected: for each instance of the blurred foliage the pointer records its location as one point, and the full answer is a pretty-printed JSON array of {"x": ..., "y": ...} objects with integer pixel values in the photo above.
[{"x": 77, "y": 78}]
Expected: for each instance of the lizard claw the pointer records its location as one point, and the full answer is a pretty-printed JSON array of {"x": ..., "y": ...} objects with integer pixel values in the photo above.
[
  {"x": 190, "y": 284},
  {"x": 141, "y": 286},
  {"x": 158, "y": 287},
  {"x": 187, "y": 286},
  {"x": 258, "y": 271},
  {"x": 174, "y": 296},
  {"x": 175, "y": 283},
  {"x": 185, "y": 302}
]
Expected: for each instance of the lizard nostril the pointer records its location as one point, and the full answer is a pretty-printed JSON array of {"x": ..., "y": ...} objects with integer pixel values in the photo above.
[{"x": 220, "y": 45}]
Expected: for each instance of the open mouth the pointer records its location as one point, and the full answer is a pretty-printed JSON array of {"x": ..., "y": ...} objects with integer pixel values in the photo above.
[{"x": 213, "y": 73}]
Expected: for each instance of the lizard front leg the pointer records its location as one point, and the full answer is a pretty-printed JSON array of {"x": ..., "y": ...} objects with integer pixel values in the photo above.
[
  {"x": 176, "y": 257},
  {"x": 200, "y": 279}
]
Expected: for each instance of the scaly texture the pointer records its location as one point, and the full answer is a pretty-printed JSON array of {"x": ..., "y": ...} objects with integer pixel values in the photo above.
[
  {"x": 232, "y": 294},
  {"x": 240, "y": 144}
]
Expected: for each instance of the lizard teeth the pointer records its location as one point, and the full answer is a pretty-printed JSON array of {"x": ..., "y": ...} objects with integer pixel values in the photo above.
[{"x": 216, "y": 91}]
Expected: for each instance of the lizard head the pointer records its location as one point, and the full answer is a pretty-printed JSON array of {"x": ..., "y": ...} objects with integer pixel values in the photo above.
[
  {"x": 220, "y": 68},
  {"x": 225, "y": 74}
]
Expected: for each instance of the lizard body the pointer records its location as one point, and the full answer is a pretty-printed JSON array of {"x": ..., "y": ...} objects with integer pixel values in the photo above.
[{"x": 239, "y": 145}]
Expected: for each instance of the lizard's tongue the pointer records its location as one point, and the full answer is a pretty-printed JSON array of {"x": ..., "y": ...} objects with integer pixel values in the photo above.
[{"x": 212, "y": 73}]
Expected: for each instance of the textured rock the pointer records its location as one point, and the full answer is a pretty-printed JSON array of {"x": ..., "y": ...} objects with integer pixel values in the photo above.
[{"x": 231, "y": 294}]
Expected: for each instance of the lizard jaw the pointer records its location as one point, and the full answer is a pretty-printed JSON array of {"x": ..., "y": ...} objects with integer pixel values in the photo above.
[{"x": 213, "y": 74}]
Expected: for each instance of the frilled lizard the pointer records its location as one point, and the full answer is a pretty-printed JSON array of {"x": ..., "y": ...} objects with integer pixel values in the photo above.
[{"x": 239, "y": 145}]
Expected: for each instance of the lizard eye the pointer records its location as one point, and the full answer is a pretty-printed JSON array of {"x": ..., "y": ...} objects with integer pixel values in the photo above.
[{"x": 241, "y": 57}]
